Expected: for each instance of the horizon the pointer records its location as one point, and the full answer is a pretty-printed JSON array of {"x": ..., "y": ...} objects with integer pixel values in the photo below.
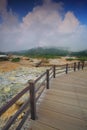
[
  {"x": 43, "y": 23},
  {"x": 59, "y": 48}
]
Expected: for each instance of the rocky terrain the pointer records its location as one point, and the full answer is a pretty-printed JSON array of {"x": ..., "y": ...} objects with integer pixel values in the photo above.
[
  {"x": 14, "y": 81},
  {"x": 13, "y": 78}
]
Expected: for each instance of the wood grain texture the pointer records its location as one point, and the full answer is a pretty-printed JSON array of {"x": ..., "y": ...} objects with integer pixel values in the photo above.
[{"x": 64, "y": 106}]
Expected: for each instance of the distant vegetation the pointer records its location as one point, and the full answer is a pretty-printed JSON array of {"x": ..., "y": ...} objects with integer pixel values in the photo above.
[
  {"x": 47, "y": 52},
  {"x": 51, "y": 52},
  {"x": 15, "y": 59},
  {"x": 78, "y": 58},
  {"x": 43, "y": 53},
  {"x": 82, "y": 58},
  {"x": 80, "y": 53},
  {"x": 70, "y": 59}
]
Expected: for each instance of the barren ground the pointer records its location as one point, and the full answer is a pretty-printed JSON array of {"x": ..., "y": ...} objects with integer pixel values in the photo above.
[{"x": 6, "y": 66}]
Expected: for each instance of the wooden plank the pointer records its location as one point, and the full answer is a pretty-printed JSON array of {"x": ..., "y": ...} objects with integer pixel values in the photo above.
[
  {"x": 41, "y": 126},
  {"x": 60, "y": 121},
  {"x": 64, "y": 106},
  {"x": 61, "y": 108},
  {"x": 71, "y": 94},
  {"x": 61, "y": 99}
]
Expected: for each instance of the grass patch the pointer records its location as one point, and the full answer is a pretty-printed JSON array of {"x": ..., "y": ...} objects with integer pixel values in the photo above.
[
  {"x": 15, "y": 59},
  {"x": 82, "y": 58},
  {"x": 45, "y": 56},
  {"x": 70, "y": 59}
]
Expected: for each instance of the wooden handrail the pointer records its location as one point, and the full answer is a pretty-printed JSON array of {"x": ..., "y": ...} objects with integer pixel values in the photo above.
[
  {"x": 67, "y": 66},
  {"x": 39, "y": 77},
  {"x": 23, "y": 120},
  {"x": 54, "y": 71},
  {"x": 74, "y": 66},
  {"x": 32, "y": 92},
  {"x": 13, "y": 100},
  {"x": 12, "y": 119},
  {"x": 47, "y": 77},
  {"x": 32, "y": 100},
  {"x": 40, "y": 85}
]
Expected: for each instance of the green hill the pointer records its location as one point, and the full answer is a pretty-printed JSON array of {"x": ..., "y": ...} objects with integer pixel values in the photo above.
[{"x": 52, "y": 52}]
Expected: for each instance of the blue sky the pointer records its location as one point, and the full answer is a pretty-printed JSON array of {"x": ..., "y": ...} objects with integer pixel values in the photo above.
[
  {"x": 22, "y": 7},
  {"x": 31, "y": 23}
]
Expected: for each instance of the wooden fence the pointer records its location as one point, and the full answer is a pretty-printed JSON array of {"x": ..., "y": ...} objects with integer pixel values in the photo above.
[{"x": 35, "y": 89}]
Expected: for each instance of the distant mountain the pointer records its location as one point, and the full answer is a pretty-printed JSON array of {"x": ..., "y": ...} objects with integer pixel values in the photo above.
[
  {"x": 42, "y": 52},
  {"x": 79, "y": 54},
  {"x": 47, "y": 52}
]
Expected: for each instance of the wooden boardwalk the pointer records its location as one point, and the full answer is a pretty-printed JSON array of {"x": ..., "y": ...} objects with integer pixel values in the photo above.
[{"x": 64, "y": 105}]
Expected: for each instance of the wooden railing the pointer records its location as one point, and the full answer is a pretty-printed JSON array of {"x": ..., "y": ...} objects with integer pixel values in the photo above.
[{"x": 35, "y": 89}]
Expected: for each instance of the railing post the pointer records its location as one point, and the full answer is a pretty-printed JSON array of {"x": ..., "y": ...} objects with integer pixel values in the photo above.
[
  {"x": 47, "y": 78},
  {"x": 32, "y": 100},
  {"x": 74, "y": 66},
  {"x": 54, "y": 71},
  {"x": 66, "y": 68},
  {"x": 82, "y": 65},
  {"x": 78, "y": 65}
]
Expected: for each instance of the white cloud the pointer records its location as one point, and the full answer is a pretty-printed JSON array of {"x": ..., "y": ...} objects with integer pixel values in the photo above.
[
  {"x": 46, "y": 25},
  {"x": 69, "y": 24}
]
